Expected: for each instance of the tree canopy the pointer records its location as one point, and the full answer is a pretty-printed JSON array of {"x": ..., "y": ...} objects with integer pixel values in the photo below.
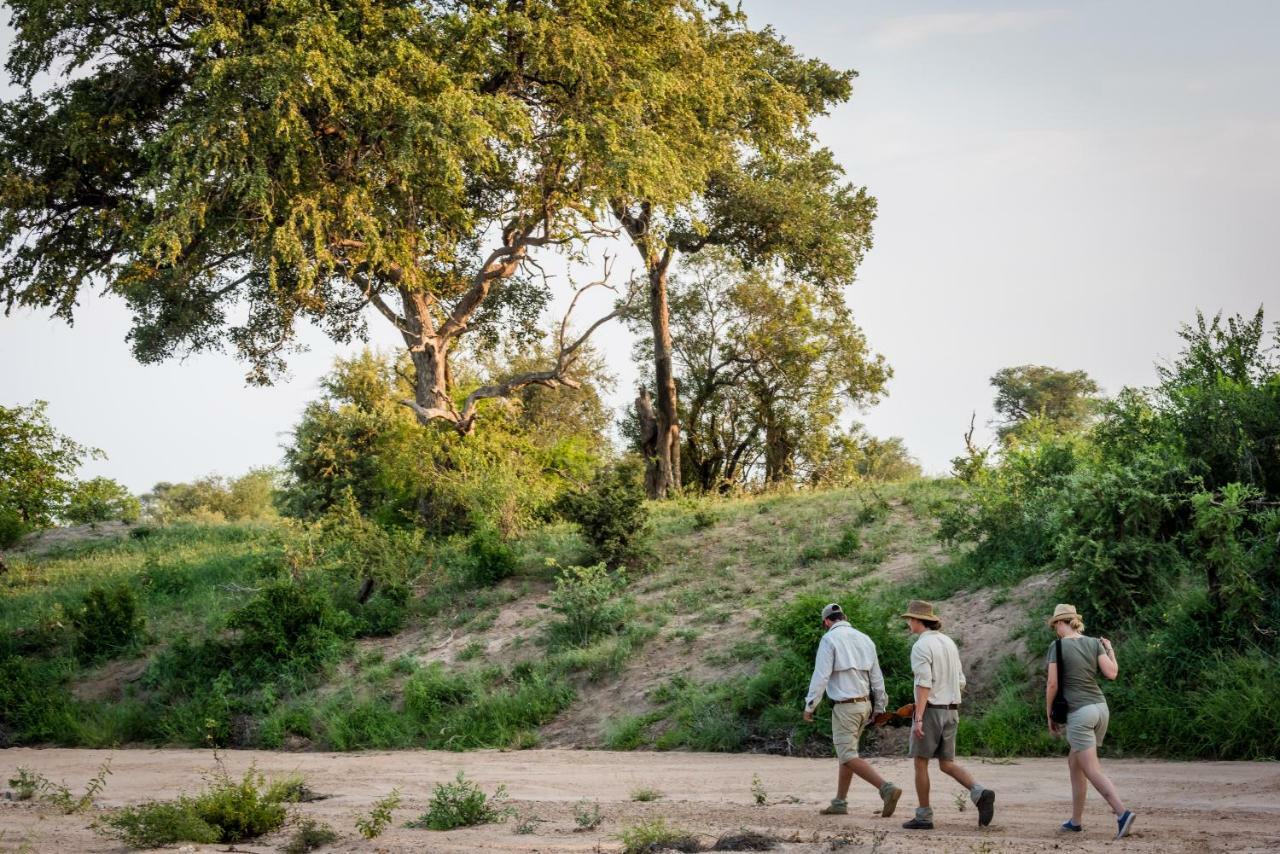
[
  {"x": 1060, "y": 400},
  {"x": 233, "y": 167}
]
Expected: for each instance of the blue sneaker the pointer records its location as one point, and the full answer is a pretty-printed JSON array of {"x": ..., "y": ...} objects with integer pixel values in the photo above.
[
  {"x": 1124, "y": 823},
  {"x": 1071, "y": 827}
]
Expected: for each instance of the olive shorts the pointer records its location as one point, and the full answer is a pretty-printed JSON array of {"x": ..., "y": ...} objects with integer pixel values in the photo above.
[
  {"x": 848, "y": 720},
  {"x": 1087, "y": 726},
  {"x": 939, "y": 740}
]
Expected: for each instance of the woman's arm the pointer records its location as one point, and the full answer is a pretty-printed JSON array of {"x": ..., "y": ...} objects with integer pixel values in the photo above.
[
  {"x": 1107, "y": 661},
  {"x": 1050, "y": 691}
]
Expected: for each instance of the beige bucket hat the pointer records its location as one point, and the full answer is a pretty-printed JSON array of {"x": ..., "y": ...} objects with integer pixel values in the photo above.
[
  {"x": 922, "y": 610},
  {"x": 1064, "y": 612}
]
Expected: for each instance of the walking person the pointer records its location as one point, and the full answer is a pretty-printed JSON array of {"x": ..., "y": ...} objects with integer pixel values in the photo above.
[
  {"x": 939, "y": 679},
  {"x": 848, "y": 670},
  {"x": 1082, "y": 659}
]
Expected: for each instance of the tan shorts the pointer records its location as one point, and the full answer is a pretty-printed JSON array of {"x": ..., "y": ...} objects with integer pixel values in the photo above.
[
  {"x": 848, "y": 720},
  {"x": 939, "y": 740},
  {"x": 1087, "y": 726}
]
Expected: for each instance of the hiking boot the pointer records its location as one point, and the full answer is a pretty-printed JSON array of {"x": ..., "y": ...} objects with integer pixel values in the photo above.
[
  {"x": 918, "y": 823},
  {"x": 890, "y": 798},
  {"x": 837, "y": 807},
  {"x": 986, "y": 807},
  {"x": 1124, "y": 823}
]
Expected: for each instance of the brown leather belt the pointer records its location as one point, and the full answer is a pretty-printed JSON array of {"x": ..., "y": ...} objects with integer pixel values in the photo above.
[
  {"x": 851, "y": 700},
  {"x": 944, "y": 705}
]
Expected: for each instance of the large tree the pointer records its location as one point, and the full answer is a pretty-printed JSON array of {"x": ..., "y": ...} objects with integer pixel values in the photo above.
[
  {"x": 37, "y": 470},
  {"x": 231, "y": 167},
  {"x": 1062, "y": 401},
  {"x": 770, "y": 195},
  {"x": 768, "y": 365}
]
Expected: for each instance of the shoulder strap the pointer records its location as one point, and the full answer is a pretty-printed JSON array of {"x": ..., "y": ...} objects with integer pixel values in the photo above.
[{"x": 1062, "y": 669}]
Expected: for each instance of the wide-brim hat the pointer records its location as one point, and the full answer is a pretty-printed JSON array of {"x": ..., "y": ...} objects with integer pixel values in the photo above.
[
  {"x": 922, "y": 610},
  {"x": 1064, "y": 612}
]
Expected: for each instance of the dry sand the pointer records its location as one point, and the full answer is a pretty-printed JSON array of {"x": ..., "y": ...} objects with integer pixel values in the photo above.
[{"x": 1181, "y": 807}]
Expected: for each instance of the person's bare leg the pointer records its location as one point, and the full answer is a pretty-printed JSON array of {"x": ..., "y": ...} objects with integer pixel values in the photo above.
[
  {"x": 953, "y": 770},
  {"x": 922, "y": 781},
  {"x": 1079, "y": 788},
  {"x": 1092, "y": 769},
  {"x": 863, "y": 769},
  {"x": 842, "y": 781}
]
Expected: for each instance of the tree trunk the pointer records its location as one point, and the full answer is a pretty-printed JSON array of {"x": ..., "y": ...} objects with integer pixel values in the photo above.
[
  {"x": 664, "y": 383},
  {"x": 648, "y": 440}
]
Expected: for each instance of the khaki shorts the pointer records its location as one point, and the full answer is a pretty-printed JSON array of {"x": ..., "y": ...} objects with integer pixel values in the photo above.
[
  {"x": 939, "y": 740},
  {"x": 848, "y": 720},
  {"x": 1087, "y": 726}
]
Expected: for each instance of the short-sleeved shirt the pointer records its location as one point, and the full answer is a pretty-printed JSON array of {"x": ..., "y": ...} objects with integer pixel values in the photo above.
[
  {"x": 935, "y": 661},
  {"x": 1081, "y": 660}
]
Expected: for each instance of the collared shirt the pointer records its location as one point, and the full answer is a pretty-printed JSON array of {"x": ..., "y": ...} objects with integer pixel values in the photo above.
[
  {"x": 846, "y": 666},
  {"x": 935, "y": 661}
]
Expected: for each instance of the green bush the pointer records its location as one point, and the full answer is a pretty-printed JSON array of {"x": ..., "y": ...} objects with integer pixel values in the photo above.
[
  {"x": 107, "y": 624},
  {"x": 587, "y": 604},
  {"x": 612, "y": 515},
  {"x": 308, "y": 836},
  {"x": 488, "y": 558},
  {"x": 372, "y": 825},
  {"x": 656, "y": 835},
  {"x": 100, "y": 500},
  {"x": 287, "y": 627},
  {"x": 461, "y": 804},
  {"x": 228, "y": 812},
  {"x": 12, "y": 528}
]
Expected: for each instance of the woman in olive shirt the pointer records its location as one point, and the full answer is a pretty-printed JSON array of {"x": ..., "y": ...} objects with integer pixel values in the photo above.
[{"x": 1084, "y": 657}]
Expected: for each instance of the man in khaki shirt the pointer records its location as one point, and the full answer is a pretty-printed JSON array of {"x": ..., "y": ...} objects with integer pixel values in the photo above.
[{"x": 939, "y": 679}]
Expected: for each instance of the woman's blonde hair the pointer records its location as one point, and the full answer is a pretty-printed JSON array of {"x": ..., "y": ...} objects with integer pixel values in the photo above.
[{"x": 1076, "y": 623}]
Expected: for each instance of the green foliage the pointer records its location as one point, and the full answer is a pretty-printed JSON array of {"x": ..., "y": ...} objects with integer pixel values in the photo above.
[
  {"x": 372, "y": 825},
  {"x": 286, "y": 626},
  {"x": 101, "y": 500},
  {"x": 587, "y": 815},
  {"x": 248, "y": 498},
  {"x": 25, "y": 784},
  {"x": 461, "y": 803},
  {"x": 37, "y": 465},
  {"x": 227, "y": 811},
  {"x": 758, "y": 792},
  {"x": 656, "y": 835},
  {"x": 586, "y": 600},
  {"x": 310, "y": 835},
  {"x": 645, "y": 794},
  {"x": 58, "y": 794},
  {"x": 612, "y": 514},
  {"x": 1064, "y": 401},
  {"x": 358, "y": 440},
  {"x": 768, "y": 362},
  {"x": 1163, "y": 521},
  {"x": 108, "y": 623},
  {"x": 489, "y": 558}
]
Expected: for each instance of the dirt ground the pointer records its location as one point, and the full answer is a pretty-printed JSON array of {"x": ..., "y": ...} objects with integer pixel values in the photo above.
[{"x": 1181, "y": 807}]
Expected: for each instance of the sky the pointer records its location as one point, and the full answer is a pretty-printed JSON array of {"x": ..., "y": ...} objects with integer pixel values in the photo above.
[{"x": 1059, "y": 184}]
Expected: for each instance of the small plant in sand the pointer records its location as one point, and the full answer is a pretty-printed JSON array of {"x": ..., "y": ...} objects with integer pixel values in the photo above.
[
  {"x": 758, "y": 793},
  {"x": 656, "y": 835},
  {"x": 310, "y": 835},
  {"x": 587, "y": 815},
  {"x": 462, "y": 804},
  {"x": 372, "y": 825},
  {"x": 645, "y": 794}
]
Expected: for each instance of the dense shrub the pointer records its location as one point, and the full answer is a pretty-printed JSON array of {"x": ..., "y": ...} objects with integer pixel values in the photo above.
[
  {"x": 228, "y": 812},
  {"x": 587, "y": 601},
  {"x": 489, "y": 559},
  {"x": 1163, "y": 520},
  {"x": 101, "y": 500},
  {"x": 250, "y": 497},
  {"x": 107, "y": 624},
  {"x": 612, "y": 514},
  {"x": 461, "y": 803}
]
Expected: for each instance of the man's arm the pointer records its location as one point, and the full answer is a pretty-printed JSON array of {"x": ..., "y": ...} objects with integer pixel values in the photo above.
[
  {"x": 922, "y": 667},
  {"x": 823, "y": 662},
  {"x": 879, "y": 697}
]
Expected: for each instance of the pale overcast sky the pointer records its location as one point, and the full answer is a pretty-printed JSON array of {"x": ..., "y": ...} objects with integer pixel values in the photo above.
[{"x": 1060, "y": 184}]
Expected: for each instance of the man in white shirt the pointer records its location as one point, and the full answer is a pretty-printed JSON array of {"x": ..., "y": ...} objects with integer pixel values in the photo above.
[
  {"x": 939, "y": 678},
  {"x": 849, "y": 670}
]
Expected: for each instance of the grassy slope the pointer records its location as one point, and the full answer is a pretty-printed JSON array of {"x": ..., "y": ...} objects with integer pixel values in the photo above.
[{"x": 718, "y": 567}]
